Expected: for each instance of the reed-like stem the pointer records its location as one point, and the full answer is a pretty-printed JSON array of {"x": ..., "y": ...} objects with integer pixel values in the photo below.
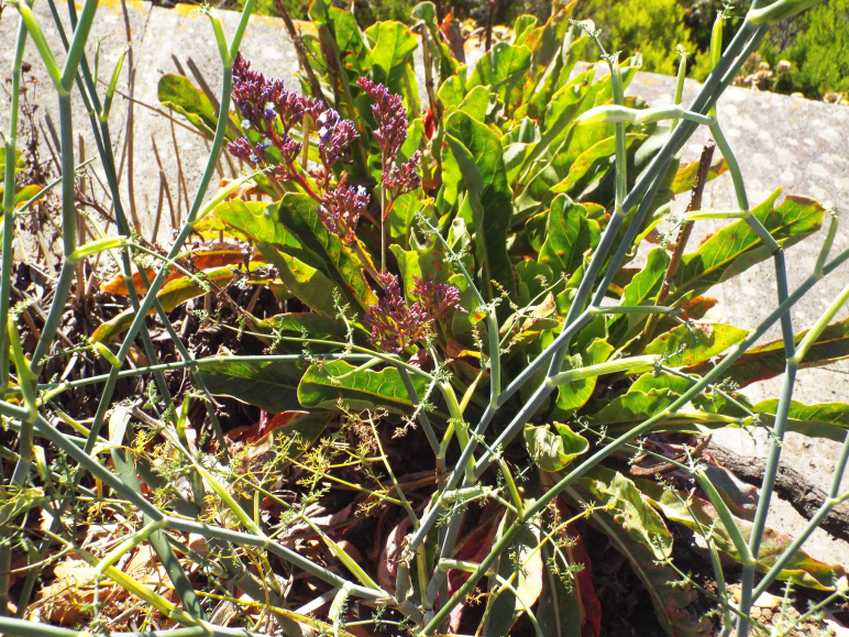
[
  {"x": 99, "y": 123},
  {"x": 158, "y": 280},
  {"x": 6, "y": 272},
  {"x": 63, "y": 82},
  {"x": 834, "y": 499},
  {"x": 794, "y": 357},
  {"x": 9, "y": 203}
]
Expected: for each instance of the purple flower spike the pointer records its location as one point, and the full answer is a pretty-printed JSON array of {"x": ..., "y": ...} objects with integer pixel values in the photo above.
[
  {"x": 341, "y": 209},
  {"x": 314, "y": 107},
  {"x": 394, "y": 325},
  {"x": 251, "y": 93},
  {"x": 334, "y": 135},
  {"x": 437, "y": 298},
  {"x": 262, "y": 100},
  {"x": 244, "y": 150},
  {"x": 289, "y": 148},
  {"x": 403, "y": 178},
  {"x": 391, "y": 117}
]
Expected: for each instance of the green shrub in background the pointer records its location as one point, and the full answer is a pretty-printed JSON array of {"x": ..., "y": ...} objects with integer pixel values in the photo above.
[
  {"x": 655, "y": 28},
  {"x": 817, "y": 46}
]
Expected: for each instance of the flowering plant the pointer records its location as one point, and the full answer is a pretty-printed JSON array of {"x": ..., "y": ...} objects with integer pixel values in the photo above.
[
  {"x": 453, "y": 248},
  {"x": 472, "y": 336}
]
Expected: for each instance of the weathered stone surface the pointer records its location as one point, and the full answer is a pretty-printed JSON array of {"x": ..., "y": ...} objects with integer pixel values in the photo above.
[
  {"x": 161, "y": 41},
  {"x": 790, "y": 142},
  {"x": 799, "y": 145}
]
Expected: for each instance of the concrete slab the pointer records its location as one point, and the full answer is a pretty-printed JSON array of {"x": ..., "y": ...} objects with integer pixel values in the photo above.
[{"x": 790, "y": 142}]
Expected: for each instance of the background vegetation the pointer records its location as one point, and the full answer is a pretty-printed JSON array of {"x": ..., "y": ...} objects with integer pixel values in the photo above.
[{"x": 816, "y": 44}]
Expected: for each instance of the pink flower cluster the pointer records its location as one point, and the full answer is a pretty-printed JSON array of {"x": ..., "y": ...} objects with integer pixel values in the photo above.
[
  {"x": 269, "y": 112},
  {"x": 341, "y": 208},
  {"x": 396, "y": 325},
  {"x": 391, "y": 133}
]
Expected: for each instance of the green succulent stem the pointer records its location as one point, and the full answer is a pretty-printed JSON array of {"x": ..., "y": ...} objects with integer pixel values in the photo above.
[
  {"x": 725, "y": 516},
  {"x": 10, "y": 149},
  {"x": 813, "y": 334},
  {"x": 159, "y": 279},
  {"x": 629, "y": 365}
]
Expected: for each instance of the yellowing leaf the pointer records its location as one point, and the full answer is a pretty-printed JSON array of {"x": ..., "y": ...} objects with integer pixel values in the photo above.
[{"x": 684, "y": 345}]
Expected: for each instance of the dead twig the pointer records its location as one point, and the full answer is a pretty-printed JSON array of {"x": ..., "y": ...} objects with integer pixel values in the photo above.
[{"x": 790, "y": 485}]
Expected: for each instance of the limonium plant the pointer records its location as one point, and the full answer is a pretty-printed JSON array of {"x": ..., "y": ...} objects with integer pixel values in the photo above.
[{"x": 475, "y": 348}]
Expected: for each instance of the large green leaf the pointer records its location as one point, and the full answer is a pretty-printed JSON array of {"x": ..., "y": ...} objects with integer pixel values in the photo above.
[
  {"x": 649, "y": 395},
  {"x": 633, "y": 407},
  {"x": 342, "y": 26},
  {"x": 476, "y": 102},
  {"x": 257, "y": 221},
  {"x": 392, "y": 45},
  {"x": 687, "y": 175},
  {"x": 553, "y": 450},
  {"x": 476, "y": 149},
  {"x": 270, "y": 385},
  {"x": 299, "y": 213},
  {"x": 575, "y": 394},
  {"x": 822, "y": 420},
  {"x": 326, "y": 383},
  {"x": 308, "y": 250},
  {"x": 768, "y": 360},
  {"x": 178, "y": 93},
  {"x": 639, "y": 533},
  {"x": 347, "y": 34},
  {"x": 518, "y": 142},
  {"x": 451, "y": 92},
  {"x": 556, "y": 50},
  {"x": 569, "y": 234},
  {"x": 581, "y": 137},
  {"x": 736, "y": 247},
  {"x": 687, "y": 345},
  {"x": 503, "y": 67},
  {"x": 642, "y": 289},
  {"x": 307, "y": 283},
  {"x": 595, "y": 160},
  {"x": 560, "y": 114},
  {"x": 698, "y": 514}
]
